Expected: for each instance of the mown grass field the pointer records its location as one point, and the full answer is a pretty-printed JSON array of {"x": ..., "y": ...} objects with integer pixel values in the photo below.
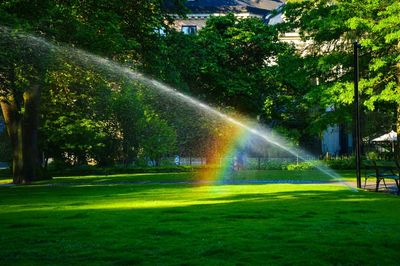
[
  {"x": 205, "y": 175},
  {"x": 110, "y": 220}
]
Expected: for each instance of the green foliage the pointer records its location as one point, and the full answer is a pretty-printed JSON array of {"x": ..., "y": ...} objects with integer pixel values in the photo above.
[
  {"x": 121, "y": 28},
  {"x": 22, "y": 67},
  {"x": 333, "y": 27},
  {"x": 238, "y": 65},
  {"x": 85, "y": 114},
  {"x": 127, "y": 118},
  {"x": 291, "y": 135},
  {"x": 232, "y": 60},
  {"x": 342, "y": 164},
  {"x": 337, "y": 164},
  {"x": 78, "y": 139},
  {"x": 160, "y": 138},
  {"x": 24, "y": 63},
  {"x": 89, "y": 116},
  {"x": 266, "y": 164},
  {"x": 275, "y": 165},
  {"x": 73, "y": 124},
  {"x": 59, "y": 168},
  {"x": 372, "y": 155},
  {"x": 309, "y": 165},
  {"x": 224, "y": 63}
]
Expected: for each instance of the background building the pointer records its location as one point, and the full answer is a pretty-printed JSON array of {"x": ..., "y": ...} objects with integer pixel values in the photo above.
[{"x": 200, "y": 10}]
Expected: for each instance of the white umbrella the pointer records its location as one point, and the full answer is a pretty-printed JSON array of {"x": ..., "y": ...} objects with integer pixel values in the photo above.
[{"x": 389, "y": 137}]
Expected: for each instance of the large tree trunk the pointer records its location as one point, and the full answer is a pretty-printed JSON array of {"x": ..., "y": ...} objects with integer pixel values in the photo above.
[
  {"x": 13, "y": 121},
  {"x": 30, "y": 134},
  {"x": 397, "y": 148},
  {"x": 22, "y": 127}
]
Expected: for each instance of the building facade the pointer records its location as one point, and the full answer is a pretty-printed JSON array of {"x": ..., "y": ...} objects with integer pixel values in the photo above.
[{"x": 201, "y": 10}]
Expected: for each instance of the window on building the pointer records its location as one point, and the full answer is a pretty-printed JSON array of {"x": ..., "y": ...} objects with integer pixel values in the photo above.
[{"x": 189, "y": 29}]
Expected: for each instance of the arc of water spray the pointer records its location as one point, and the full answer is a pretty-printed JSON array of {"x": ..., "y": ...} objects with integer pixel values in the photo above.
[
  {"x": 231, "y": 120},
  {"x": 131, "y": 74}
]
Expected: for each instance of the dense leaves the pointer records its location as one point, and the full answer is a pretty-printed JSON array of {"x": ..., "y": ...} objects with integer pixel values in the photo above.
[
  {"x": 333, "y": 26},
  {"x": 72, "y": 126},
  {"x": 88, "y": 114}
]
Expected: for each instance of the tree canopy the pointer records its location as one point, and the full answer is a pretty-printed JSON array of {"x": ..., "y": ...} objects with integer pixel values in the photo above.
[
  {"x": 54, "y": 103},
  {"x": 123, "y": 30},
  {"x": 333, "y": 26}
]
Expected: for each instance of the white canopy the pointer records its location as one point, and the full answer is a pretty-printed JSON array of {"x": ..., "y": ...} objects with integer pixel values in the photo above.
[{"x": 389, "y": 137}]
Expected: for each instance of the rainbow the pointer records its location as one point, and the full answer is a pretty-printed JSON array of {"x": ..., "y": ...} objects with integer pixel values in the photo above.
[{"x": 224, "y": 154}]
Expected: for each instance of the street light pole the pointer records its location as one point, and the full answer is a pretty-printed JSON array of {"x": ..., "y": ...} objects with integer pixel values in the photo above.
[{"x": 357, "y": 115}]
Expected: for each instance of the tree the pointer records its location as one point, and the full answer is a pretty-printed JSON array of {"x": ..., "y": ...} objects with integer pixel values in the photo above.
[
  {"x": 231, "y": 55},
  {"x": 333, "y": 26},
  {"x": 74, "y": 113},
  {"x": 234, "y": 64},
  {"x": 119, "y": 29},
  {"x": 22, "y": 69},
  {"x": 383, "y": 46},
  {"x": 160, "y": 138},
  {"x": 128, "y": 115}
]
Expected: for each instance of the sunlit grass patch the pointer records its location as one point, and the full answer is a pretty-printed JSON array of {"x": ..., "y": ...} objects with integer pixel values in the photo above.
[{"x": 5, "y": 180}]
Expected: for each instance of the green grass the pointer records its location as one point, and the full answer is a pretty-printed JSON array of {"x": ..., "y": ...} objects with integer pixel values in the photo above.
[
  {"x": 196, "y": 176},
  {"x": 95, "y": 223}
]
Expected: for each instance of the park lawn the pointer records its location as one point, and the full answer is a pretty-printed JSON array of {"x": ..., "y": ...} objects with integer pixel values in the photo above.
[
  {"x": 197, "y": 176},
  {"x": 152, "y": 224}
]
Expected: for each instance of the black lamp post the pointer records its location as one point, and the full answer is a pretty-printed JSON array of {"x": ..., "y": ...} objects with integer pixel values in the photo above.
[{"x": 357, "y": 115}]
